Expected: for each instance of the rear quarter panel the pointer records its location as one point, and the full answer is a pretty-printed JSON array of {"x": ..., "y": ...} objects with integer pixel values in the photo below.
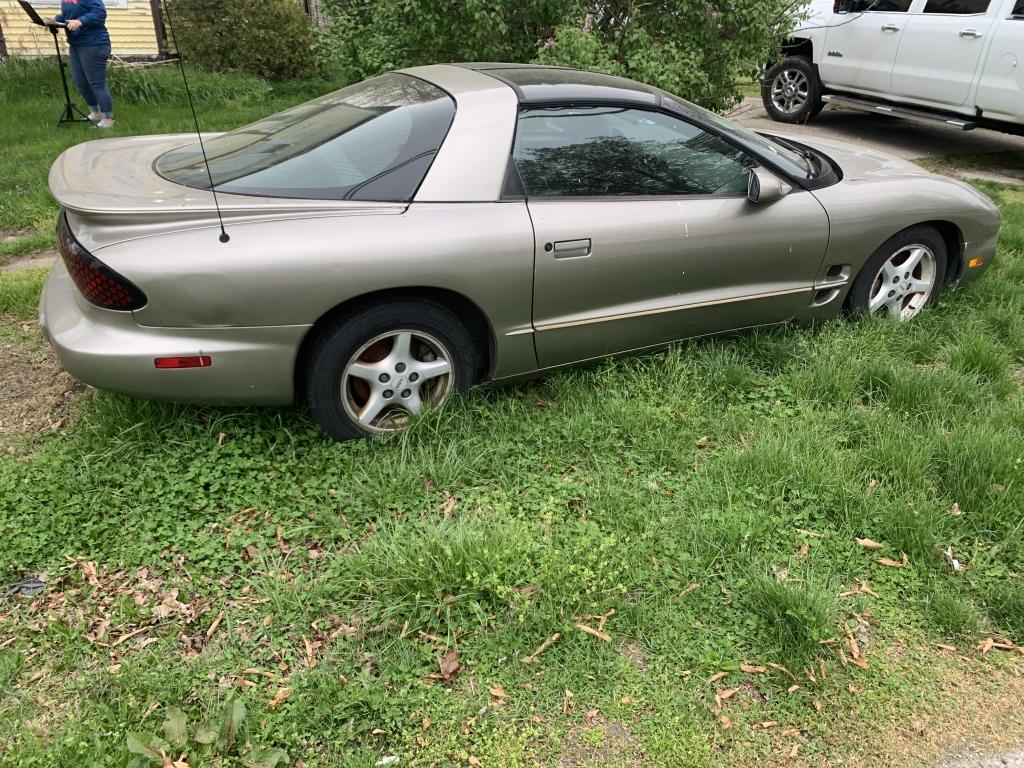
[{"x": 291, "y": 272}]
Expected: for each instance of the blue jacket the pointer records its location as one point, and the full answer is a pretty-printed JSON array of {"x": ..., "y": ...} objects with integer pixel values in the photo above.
[{"x": 93, "y": 16}]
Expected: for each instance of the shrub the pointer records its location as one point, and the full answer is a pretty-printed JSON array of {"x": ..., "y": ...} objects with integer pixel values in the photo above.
[
  {"x": 366, "y": 38},
  {"x": 272, "y": 38},
  {"x": 698, "y": 50}
]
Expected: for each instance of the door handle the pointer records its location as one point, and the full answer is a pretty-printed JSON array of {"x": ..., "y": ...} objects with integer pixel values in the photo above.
[
  {"x": 970, "y": 34},
  {"x": 890, "y": 28},
  {"x": 572, "y": 249}
]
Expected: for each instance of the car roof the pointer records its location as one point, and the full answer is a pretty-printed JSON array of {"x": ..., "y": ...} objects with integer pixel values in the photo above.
[{"x": 537, "y": 84}]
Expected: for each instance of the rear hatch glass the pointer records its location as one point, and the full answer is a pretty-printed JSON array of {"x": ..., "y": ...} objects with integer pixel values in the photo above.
[{"x": 371, "y": 141}]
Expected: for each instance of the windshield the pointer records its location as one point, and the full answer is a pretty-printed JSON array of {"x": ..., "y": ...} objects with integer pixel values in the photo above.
[
  {"x": 790, "y": 161},
  {"x": 371, "y": 141}
]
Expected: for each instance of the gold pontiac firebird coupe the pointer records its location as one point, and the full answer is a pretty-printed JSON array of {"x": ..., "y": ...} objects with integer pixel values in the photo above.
[{"x": 406, "y": 237}]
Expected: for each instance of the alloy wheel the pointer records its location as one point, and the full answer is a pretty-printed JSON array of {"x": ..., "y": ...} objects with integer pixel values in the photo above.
[
  {"x": 790, "y": 91},
  {"x": 904, "y": 283},
  {"x": 393, "y": 377}
]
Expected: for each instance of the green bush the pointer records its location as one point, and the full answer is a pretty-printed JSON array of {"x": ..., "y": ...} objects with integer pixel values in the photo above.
[
  {"x": 272, "y": 39},
  {"x": 366, "y": 38},
  {"x": 698, "y": 50}
]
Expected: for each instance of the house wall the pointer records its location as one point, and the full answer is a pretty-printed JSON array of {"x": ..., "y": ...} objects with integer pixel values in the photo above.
[{"x": 130, "y": 23}]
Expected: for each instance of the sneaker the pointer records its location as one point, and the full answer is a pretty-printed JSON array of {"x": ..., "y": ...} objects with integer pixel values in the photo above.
[
  {"x": 95, "y": 116},
  {"x": 106, "y": 122}
]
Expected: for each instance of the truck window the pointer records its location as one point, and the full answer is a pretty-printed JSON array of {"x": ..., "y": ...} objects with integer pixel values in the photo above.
[
  {"x": 963, "y": 7},
  {"x": 1018, "y": 10},
  {"x": 879, "y": 6}
]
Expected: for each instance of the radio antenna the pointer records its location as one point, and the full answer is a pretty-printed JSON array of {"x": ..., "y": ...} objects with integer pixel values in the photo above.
[{"x": 224, "y": 236}]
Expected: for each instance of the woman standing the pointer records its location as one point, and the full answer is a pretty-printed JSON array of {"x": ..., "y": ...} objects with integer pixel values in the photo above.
[{"x": 89, "y": 45}]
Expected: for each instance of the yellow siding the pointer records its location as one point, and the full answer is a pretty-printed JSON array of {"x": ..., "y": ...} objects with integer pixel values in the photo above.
[{"x": 131, "y": 30}]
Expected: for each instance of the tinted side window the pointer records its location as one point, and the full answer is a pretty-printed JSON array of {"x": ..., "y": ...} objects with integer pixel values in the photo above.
[
  {"x": 613, "y": 151},
  {"x": 879, "y": 6},
  {"x": 957, "y": 6},
  {"x": 1018, "y": 9}
]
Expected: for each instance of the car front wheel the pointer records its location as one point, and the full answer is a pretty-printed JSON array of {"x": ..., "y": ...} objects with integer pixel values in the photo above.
[
  {"x": 902, "y": 277},
  {"x": 372, "y": 372},
  {"x": 791, "y": 91}
]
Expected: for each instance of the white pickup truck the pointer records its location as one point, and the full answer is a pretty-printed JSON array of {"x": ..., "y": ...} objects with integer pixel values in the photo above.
[{"x": 959, "y": 62}]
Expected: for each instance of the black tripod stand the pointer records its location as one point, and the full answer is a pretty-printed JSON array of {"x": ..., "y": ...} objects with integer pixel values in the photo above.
[{"x": 68, "y": 114}]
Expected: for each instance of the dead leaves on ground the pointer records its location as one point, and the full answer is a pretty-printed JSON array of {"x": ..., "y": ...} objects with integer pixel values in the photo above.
[
  {"x": 903, "y": 562},
  {"x": 534, "y": 658},
  {"x": 594, "y": 632},
  {"x": 279, "y": 697},
  {"x": 862, "y": 589},
  {"x": 870, "y": 544},
  {"x": 990, "y": 643},
  {"x": 449, "y": 667},
  {"x": 688, "y": 590}
]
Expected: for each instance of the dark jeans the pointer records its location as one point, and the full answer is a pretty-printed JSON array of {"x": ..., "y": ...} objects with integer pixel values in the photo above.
[{"x": 89, "y": 71}]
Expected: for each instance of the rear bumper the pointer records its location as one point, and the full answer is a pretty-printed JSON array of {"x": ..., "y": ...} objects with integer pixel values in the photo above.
[{"x": 109, "y": 350}]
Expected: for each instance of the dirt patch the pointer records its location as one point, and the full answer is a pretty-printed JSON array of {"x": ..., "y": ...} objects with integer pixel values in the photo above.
[
  {"x": 962, "y": 712},
  {"x": 1011, "y": 760},
  {"x": 42, "y": 260},
  {"x": 999, "y": 168},
  {"x": 36, "y": 396},
  {"x": 605, "y": 742},
  {"x": 986, "y": 719},
  {"x": 10, "y": 235},
  {"x": 635, "y": 654}
]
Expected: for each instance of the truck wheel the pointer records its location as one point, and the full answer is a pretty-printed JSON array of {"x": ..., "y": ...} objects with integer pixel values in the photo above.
[{"x": 791, "y": 91}]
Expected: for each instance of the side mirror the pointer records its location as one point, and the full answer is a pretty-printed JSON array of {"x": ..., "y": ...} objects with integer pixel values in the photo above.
[{"x": 765, "y": 187}]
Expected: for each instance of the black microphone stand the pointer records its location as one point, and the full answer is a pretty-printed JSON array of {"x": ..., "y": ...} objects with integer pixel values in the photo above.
[{"x": 68, "y": 114}]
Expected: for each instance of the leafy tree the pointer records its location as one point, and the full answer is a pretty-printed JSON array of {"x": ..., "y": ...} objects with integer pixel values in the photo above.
[
  {"x": 697, "y": 49},
  {"x": 369, "y": 36},
  {"x": 272, "y": 38}
]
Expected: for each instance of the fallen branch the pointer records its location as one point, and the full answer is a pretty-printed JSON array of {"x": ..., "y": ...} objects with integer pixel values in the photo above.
[
  {"x": 594, "y": 632},
  {"x": 534, "y": 658}
]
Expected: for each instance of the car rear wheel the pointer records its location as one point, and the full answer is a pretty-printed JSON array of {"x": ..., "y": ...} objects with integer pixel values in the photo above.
[
  {"x": 372, "y": 373},
  {"x": 902, "y": 277},
  {"x": 791, "y": 91}
]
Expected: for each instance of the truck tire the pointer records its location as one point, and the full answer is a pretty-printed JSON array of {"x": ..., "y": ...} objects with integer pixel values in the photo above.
[{"x": 791, "y": 91}]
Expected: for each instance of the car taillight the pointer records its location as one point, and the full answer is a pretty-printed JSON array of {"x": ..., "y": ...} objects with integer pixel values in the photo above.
[{"x": 99, "y": 284}]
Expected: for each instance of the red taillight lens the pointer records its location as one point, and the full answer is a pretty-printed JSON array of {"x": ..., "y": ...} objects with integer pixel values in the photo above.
[
  {"x": 191, "y": 361},
  {"x": 98, "y": 283}
]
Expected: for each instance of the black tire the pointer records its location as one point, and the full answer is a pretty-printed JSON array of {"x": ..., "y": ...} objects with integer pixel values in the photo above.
[
  {"x": 778, "y": 78},
  {"x": 333, "y": 349},
  {"x": 858, "y": 300}
]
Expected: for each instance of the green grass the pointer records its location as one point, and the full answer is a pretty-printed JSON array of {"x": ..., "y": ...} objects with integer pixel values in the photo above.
[
  {"x": 19, "y": 293},
  {"x": 746, "y": 465},
  {"x": 146, "y": 101}
]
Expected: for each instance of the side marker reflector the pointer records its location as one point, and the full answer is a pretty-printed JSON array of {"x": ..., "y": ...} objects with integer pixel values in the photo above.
[
  {"x": 194, "y": 361},
  {"x": 975, "y": 263}
]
